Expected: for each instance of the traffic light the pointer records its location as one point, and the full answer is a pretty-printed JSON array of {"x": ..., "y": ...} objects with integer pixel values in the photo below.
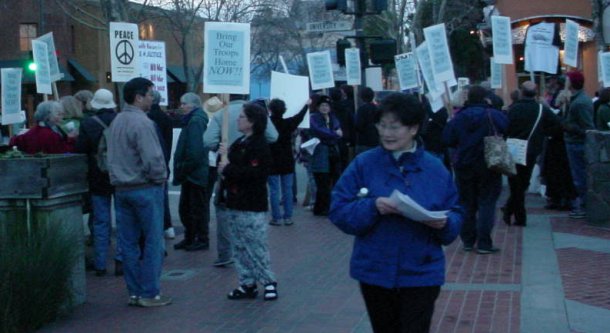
[
  {"x": 382, "y": 51},
  {"x": 336, "y": 5},
  {"x": 30, "y": 64},
  {"x": 342, "y": 44}
]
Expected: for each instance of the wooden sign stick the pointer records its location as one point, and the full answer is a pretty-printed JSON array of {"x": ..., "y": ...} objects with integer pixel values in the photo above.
[{"x": 225, "y": 126}]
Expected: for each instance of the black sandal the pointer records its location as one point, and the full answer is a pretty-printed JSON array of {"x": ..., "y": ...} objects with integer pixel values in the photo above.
[
  {"x": 243, "y": 292},
  {"x": 271, "y": 291}
]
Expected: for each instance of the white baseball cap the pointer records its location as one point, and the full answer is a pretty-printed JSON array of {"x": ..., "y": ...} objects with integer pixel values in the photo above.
[{"x": 103, "y": 99}]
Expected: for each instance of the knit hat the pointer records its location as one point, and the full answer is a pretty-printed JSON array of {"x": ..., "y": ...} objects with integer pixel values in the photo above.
[{"x": 577, "y": 80}]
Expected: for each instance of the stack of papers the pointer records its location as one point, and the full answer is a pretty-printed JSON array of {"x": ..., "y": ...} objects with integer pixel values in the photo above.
[{"x": 412, "y": 210}]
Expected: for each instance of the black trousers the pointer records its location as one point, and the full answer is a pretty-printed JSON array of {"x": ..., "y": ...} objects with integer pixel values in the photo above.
[
  {"x": 167, "y": 217},
  {"x": 192, "y": 208},
  {"x": 518, "y": 184},
  {"x": 400, "y": 310}
]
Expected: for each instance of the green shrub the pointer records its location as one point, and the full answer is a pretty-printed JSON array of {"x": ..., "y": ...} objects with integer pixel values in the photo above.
[{"x": 35, "y": 272}]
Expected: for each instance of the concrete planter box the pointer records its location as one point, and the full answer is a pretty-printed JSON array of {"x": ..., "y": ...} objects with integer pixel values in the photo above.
[{"x": 597, "y": 154}]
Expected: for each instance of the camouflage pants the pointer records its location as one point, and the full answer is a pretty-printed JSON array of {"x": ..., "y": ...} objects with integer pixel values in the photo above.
[{"x": 250, "y": 248}]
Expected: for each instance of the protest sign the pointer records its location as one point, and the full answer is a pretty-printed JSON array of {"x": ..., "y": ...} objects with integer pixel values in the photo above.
[
  {"x": 352, "y": 66},
  {"x": 423, "y": 58},
  {"x": 153, "y": 66},
  {"x": 374, "y": 78},
  {"x": 496, "y": 74},
  {"x": 53, "y": 65},
  {"x": 406, "y": 67},
  {"x": 540, "y": 53},
  {"x": 502, "y": 39},
  {"x": 599, "y": 66},
  {"x": 11, "y": 95},
  {"x": 226, "y": 58},
  {"x": 320, "y": 70},
  {"x": 462, "y": 82},
  {"x": 124, "y": 40},
  {"x": 438, "y": 49},
  {"x": 605, "y": 60},
  {"x": 436, "y": 102},
  {"x": 294, "y": 91},
  {"x": 43, "y": 73},
  {"x": 570, "y": 54}
]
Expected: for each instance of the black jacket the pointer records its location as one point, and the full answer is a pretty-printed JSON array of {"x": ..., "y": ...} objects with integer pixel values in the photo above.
[
  {"x": 281, "y": 150},
  {"x": 164, "y": 123},
  {"x": 366, "y": 131},
  {"x": 521, "y": 119},
  {"x": 244, "y": 186},
  {"x": 344, "y": 111},
  {"x": 90, "y": 133}
]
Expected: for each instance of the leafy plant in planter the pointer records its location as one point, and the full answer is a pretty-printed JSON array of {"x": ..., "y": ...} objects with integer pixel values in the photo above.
[{"x": 35, "y": 270}]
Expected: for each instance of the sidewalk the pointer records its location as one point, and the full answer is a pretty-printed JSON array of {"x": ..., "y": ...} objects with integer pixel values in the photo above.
[{"x": 552, "y": 276}]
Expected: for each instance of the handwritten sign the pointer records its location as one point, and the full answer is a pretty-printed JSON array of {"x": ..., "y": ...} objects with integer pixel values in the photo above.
[
  {"x": 502, "y": 39},
  {"x": 570, "y": 54},
  {"x": 320, "y": 70},
  {"x": 226, "y": 58},
  {"x": 294, "y": 91},
  {"x": 153, "y": 66},
  {"x": 407, "y": 70},
  {"x": 53, "y": 65},
  {"x": 438, "y": 48},
  {"x": 11, "y": 95},
  {"x": 352, "y": 66},
  {"x": 43, "y": 72},
  {"x": 496, "y": 74}
]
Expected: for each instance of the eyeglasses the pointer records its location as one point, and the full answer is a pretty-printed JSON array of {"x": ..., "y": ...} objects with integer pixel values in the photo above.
[{"x": 389, "y": 129}]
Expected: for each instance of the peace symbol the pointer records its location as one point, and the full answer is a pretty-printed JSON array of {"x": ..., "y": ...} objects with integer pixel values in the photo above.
[{"x": 124, "y": 52}]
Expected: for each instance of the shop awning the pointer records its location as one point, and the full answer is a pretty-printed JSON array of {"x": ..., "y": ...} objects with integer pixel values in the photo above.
[{"x": 81, "y": 70}]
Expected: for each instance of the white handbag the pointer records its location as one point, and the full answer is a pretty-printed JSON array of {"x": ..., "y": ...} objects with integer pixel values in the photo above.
[{"x": 518, "y": 147}]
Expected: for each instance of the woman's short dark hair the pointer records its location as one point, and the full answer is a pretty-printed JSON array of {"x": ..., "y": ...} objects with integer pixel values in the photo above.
[
  {"x": 277, "y": 107},
  {"x": 477, "y": 94},
  {"x": 134, "y": 87},
  {"x": 335, "y": 94},
  {"x": 367, "y": 94},
  {"x": 257, "y": 116},
  {"x": 405, "y": 107}
]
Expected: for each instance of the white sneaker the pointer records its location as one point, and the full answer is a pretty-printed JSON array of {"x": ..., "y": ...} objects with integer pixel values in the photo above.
[{"x": 170, "y": 233}]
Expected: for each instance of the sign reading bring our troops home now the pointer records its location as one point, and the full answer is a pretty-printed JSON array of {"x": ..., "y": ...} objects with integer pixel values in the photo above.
[{"x": 124, "y": 42}]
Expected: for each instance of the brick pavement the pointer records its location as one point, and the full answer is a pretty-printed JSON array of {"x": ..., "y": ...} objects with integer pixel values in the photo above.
[{"x": 311, "y": 258}]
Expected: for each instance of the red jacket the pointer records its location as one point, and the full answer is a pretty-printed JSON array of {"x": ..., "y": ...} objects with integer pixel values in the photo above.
[{"x": 41, "y": 139}]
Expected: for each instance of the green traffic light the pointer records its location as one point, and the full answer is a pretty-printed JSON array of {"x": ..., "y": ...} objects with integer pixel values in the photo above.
[{"x": 32, "y": 66}]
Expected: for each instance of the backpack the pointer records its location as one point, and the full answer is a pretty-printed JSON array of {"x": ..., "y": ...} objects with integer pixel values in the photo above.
[{"x": 101, "y": 156}]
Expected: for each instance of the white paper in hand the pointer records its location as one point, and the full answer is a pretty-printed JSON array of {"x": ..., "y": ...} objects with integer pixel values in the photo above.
[{"x": 412, "y": 210}]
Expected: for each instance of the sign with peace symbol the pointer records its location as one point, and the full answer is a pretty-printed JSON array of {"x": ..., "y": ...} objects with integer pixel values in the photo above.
[{"x": 124, "y": 52}]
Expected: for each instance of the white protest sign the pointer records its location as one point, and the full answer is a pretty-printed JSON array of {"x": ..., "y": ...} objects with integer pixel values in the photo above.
[
  {"x": 462, "y": 82},
  {"x": 407, "y": 70},
  {"x": 570, "y": 55},
  {"x": 496, "y": 74},
  {"x": 352, "y": 66},
  {"x": 53, "y": 65},
  {"x": 423, "y": 57},
  {"x": 294, "y": 91},
  {"x": 43, "y": 73},
  {"x": 436, "y": 102},
  {"x": 374, "y": 78},
  {"x": 599, "y": 66},
  {"x": 502, "y": 39},
  {"x": 124, "y": 40},
  {"x": 320, "y": 70},
  {"x": 11, "y": 95},
  {"x": 438, "y": 48},
  {"x": 153, "y": 67},
  {"x": 605, "y": 60},
  {"x": 226, "y": 58},
  {"x": 540, "y": 53}
]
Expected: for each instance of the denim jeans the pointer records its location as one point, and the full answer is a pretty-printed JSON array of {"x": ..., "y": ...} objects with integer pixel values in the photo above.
[
  {"x": 578, "y": 170},
  {"x": 102, "y": 230},
  {"x": 479, "y": 190},
  {"x": 140, "y": 212},
  {"x": 285, "y": 183}
]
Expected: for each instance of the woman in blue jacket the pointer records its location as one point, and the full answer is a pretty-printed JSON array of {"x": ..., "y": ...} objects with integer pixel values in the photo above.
[{"x": 399, "y": 262}]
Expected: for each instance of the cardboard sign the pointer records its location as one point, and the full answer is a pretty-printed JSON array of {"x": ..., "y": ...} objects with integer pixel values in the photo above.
[
  {"x": 153, "y": 66},
  {"x": 43, "y": 72},
  {"x": 294, "y": 91},
  {"x": 11, "y": 95},
  {"x": 496, "y": 74},
  {"x": 320, "y": 70},
  {"x": 226, "y": 58},
  {"x": 438, "y": 48},
  {"x": 53, "y": 65},
  {"x": 570, "y": 54},
  {"x": 605, "y": 60},
  {"x": 406, "y": 67},
  {"x": 502, "y": 39},
  {"x": 124, "y": 42},
  {"x": 352, "y": 66}
]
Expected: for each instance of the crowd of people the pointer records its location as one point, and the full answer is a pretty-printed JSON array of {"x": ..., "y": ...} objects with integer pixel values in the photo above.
[{"x": 362, "y": 153}]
